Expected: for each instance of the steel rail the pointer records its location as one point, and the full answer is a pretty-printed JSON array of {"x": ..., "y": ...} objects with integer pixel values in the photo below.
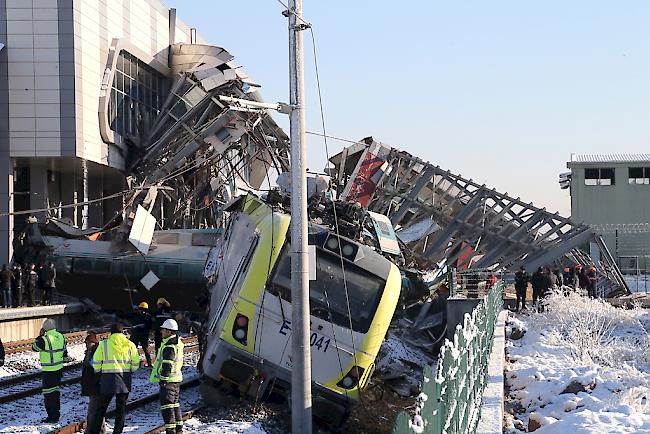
[
  {"x": 186, "y": 415},
  {"x": 130, "y": 406},
  {"x": 192, "y": 347}
]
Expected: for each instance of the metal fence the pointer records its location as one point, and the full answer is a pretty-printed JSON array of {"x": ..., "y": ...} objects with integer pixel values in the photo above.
[{"x": 451, "y": 398}]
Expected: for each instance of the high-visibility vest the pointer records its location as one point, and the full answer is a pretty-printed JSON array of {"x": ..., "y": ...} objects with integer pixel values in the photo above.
[
  {"x": 116, "y": 355},
  {"x": 51, "y": 356},
  {"x": 176, "y": 362}
]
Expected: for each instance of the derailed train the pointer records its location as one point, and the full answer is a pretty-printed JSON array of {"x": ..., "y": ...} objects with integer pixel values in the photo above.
[{"x": 248, "y": 331}]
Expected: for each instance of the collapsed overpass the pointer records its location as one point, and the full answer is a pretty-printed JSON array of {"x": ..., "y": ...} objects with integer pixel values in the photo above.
[{"x": 445, "y": 219}]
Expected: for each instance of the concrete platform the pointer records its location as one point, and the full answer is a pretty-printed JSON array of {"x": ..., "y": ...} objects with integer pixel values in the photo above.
[{"x": 25, "y": 322}]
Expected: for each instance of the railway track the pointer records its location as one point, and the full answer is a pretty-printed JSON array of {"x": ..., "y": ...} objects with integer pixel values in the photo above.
[
  {"x": 131, "y": 406},
  {"x": 26, "y": 344},
  {"x": 16, "y": 388}
]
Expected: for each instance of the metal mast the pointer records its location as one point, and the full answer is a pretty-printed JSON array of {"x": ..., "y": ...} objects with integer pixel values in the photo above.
[{"x": 301, "y": 372}]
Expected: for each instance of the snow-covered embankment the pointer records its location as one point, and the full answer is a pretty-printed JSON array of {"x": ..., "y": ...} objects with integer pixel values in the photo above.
[{"x": 581, "y": 367}]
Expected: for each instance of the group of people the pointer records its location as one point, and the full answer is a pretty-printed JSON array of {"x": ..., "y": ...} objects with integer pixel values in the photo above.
[
  {"x": 545, "y": 279},
  {"x": 109, "y": 364},
  {"x": 27, "y": 285}
]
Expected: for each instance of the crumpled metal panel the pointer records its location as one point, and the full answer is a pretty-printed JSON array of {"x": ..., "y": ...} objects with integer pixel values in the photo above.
[
  {"x": 451, "y": 220},
  {"x": 203, "y": 151}
]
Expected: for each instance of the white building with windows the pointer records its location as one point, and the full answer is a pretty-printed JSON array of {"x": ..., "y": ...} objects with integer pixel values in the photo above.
[
  {"x": 612, "y": 193},
  {"x": 80, "y": 81}
]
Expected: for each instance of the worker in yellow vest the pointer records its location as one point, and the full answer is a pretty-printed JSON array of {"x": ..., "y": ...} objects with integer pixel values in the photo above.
[
  {"x": 115, "y": 359},
  {"x": 52, "y": 349},
  {"x": 167, "y": 372}
]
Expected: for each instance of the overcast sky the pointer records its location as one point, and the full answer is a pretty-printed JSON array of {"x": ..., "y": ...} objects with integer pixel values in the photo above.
[{"x": 500, "y": 91}]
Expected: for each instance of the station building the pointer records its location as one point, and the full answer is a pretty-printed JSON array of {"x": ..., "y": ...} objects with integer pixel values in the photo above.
[
  {"x": 80, "y": 81},
  {"x": 611, "y": 192}
]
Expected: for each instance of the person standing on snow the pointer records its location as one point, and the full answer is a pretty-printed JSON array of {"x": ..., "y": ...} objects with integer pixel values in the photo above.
[
  {"x": 163, "y": 313},
  {"x": 560, "y": 277},
  {"x": 521, "y": 286},
  {"x": 115, "y": 359},
  {"x": 167, "y": 371},
  {"x": 140, "y": 331},
  {"x": 52, "y": 349},
  {"x": 90, "y": 379},
  {"x": 539, "y": 282},
  {"x": 591, "y": 282}
]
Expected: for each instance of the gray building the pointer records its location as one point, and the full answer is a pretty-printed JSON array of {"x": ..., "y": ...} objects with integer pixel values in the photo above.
[
  {"x": 611, "y": 192},
  {"x": 80, "y": 81}
]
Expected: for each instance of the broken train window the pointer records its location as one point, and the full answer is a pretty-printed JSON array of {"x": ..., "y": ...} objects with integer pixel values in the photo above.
[{"x": 327, "y": 297}]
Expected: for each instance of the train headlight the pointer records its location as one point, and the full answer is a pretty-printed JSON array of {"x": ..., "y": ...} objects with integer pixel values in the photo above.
[
  {"x": 240, "y": 329},
  {"x": 341, "y": 247},
  {"x": 332, "y": 244},
  {"x": 352, "y": 378}
]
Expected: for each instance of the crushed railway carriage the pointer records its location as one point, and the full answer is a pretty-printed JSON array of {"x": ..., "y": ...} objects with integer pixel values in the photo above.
[
  {"x": 92, "y": 269},
  {"x": 248, "y": 330}
]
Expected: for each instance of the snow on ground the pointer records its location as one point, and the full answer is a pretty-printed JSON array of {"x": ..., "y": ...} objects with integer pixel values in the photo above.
[
  {"x": 222, "y": 427},
  {"x": 602, "y": 352},
  {"x": 27, "y": 361},
  {"x": 25, "y": 415}
]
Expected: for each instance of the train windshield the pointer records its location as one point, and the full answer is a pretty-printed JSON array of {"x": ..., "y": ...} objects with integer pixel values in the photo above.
[{"x": 327, "y": 293}]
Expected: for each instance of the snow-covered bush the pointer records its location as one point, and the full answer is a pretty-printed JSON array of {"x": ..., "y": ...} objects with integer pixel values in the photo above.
[{"x": 594, "y": 331}]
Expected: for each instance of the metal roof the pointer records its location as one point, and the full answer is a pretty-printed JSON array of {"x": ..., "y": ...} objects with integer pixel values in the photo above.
[{"x": 610, "y": 158}]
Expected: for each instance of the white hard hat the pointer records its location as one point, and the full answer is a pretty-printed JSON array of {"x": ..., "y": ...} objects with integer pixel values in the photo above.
[
  {"x": 49, "y": 324},
  {"x": 170, "y": 324}
]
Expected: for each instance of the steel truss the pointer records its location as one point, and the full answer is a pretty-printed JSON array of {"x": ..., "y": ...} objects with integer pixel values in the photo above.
[
  {"x": 447, "y": 219},
  {"x": 200, "y": 150}
]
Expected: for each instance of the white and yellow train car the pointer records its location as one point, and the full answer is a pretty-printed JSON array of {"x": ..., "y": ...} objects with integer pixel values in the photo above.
[{"x": 248, "y": 340}]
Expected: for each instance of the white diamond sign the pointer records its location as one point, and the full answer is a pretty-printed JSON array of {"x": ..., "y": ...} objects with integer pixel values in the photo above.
[{"x": 149, "y": 280}]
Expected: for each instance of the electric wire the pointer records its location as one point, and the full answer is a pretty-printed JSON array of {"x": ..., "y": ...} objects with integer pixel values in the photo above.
[{"x": 336, "y": 224}]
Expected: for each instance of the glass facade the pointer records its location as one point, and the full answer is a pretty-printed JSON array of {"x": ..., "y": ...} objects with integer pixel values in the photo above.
[{"x": 137, "y": 94}]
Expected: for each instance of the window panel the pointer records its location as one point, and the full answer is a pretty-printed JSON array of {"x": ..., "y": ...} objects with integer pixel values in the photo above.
[{"x": 135, "y": 96}]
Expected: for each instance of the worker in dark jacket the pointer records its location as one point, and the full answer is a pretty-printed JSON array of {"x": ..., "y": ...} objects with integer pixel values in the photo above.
[
  {"x": 17, "y": 285},
  {"x": 167, "y": 371},
  {"x": 539, "y": 282},
  {"x": 141, "y": 329},
  {"x": 90, "y": 379},
  {"x": 560, "y": 277},
  {"x": 582, "y": 277},
  {"x": 115, "y": 359},
  {"x": 2, "y": 354},
  {"x": 163, "y": 313},
  {"x": 521, "y": 286},
  {"x": 52, "y": 349},
  {"x": 6, "y": 277},
  {"x": 31, "y": 285},
  {"x": 570, "y": 278},
  {"x": 49, "y": 283},
  {"x": 591, "y": 281}
]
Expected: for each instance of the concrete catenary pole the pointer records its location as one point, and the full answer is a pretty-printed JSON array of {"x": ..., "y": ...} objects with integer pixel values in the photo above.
[{"x": 301, "y": 372}]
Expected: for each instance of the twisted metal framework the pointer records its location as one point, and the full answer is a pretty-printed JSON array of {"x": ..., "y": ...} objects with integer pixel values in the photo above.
[
  {"x": 447, "y": 219},
  {"x": 201, "y": 151}
]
